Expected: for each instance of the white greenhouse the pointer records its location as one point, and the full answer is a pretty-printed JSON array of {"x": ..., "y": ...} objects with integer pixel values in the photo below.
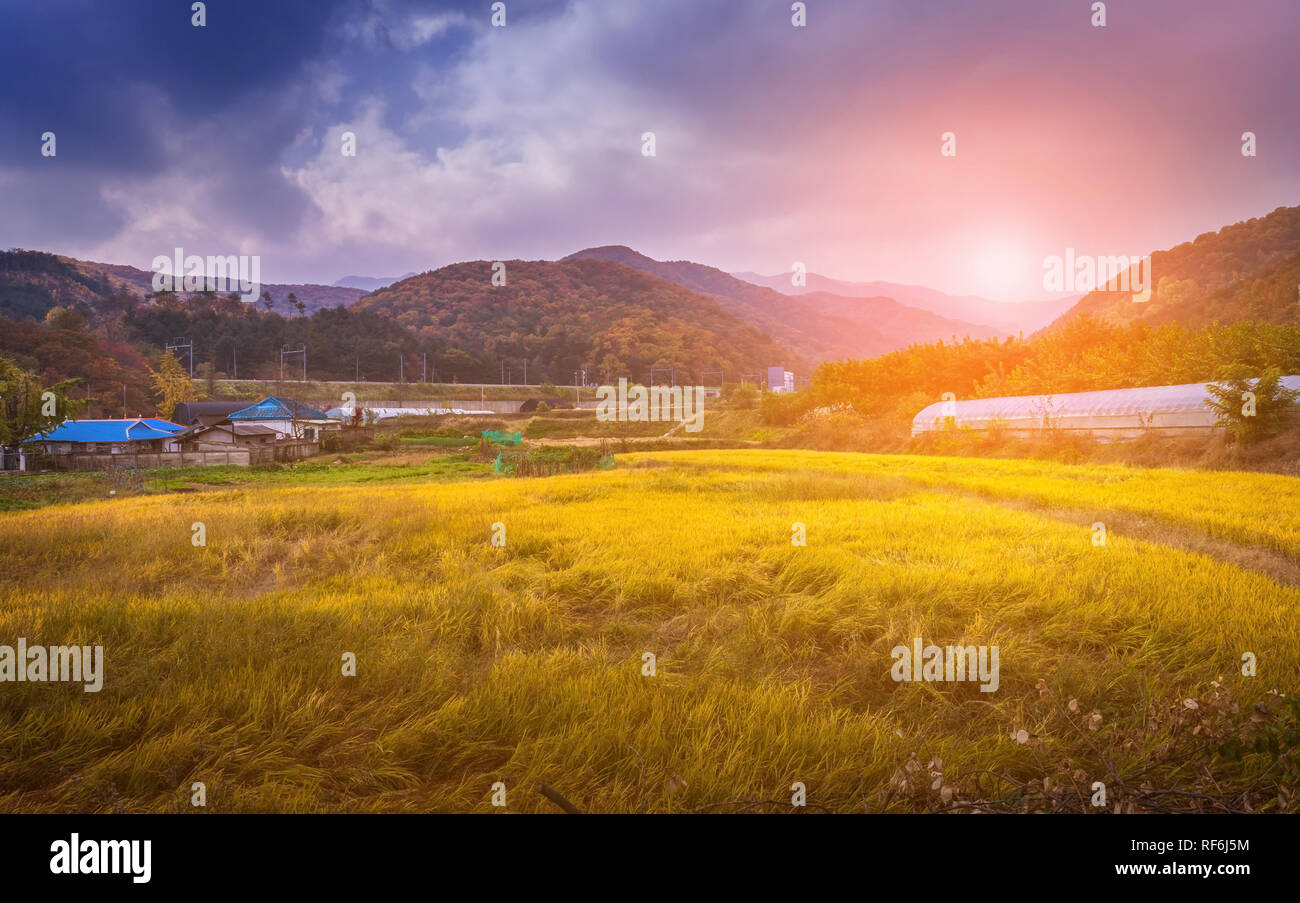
[{"x": 1112, "y": 414}]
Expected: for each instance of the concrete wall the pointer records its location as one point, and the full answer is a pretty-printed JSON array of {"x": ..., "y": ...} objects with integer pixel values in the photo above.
[
  {"x": 239, "y": 457},
  {"x": 236, "y": 456}
]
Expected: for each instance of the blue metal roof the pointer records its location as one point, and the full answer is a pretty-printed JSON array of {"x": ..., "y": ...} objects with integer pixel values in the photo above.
[
  {"x": 111, "y": 430},
  {"x": 273, "y": 408}
]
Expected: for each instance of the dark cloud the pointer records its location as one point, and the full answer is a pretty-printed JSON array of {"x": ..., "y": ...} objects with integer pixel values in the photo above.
[
  {"x": 523, "y": 142},
  {"x": 114, "y": 80}
]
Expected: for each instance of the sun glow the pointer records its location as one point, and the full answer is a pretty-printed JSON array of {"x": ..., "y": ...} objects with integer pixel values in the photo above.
[{"x": 1002, "y": 270}]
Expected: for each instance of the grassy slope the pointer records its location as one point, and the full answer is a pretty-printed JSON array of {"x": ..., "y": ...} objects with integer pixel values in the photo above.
[{"x": 478, "y": 664}]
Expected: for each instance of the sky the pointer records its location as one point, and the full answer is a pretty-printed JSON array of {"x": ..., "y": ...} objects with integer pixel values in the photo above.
[{"x": 773, "y": 144}]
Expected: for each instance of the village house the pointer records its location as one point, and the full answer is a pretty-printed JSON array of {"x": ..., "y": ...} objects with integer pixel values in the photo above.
[
  {"x": 205, "y": 413},
  {"x": 211, "y": 434},
  {"x": 288, "y": 418},
  {"x": 105, "y": 437},
  {"x": 225, "y": 435}
]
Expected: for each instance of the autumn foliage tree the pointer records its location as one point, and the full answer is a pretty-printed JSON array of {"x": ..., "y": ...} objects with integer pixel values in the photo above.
[{"x": 172, "y": 385}]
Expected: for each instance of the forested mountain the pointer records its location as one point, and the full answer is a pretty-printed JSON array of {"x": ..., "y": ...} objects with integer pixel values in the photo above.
[
  {"x": 1246, "y": 271},
  {"x": 572, "y": 315},
  {"x": 244, "y": 341},
  {"x": 820, "y": 326},
  {"x": 123, "y": 337},
  {"x": 451, "y": 325},
  {"x": 32, "y": 282}
]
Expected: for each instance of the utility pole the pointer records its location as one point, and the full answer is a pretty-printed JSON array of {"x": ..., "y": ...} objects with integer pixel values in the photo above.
[
  {"x": 525, "y": 371},
  {"x": 401, "y": 368},
  {"x": 182, "y": 342},
  {"x": 424, "y": 368},
  {"x": 123, "y": 401},
  {"x": 285, "y": 350},
  {"x": 671, "y": 371},
  {"x": 503, "y": 371}
]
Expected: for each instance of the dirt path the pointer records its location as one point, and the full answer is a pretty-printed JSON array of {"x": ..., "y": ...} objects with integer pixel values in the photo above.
[{"x": 1268, "y": 562}]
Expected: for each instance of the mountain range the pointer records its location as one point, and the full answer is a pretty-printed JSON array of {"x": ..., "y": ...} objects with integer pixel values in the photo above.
[
  {"x": 611, "y": 307},
  {"x": 819, "y": 326},
  {"x": 369, "y": 283},
  {"x": 1008, "y": 317}
]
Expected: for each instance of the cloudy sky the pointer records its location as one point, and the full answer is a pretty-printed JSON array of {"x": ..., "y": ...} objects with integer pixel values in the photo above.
[{"x": 773, "y": 144}]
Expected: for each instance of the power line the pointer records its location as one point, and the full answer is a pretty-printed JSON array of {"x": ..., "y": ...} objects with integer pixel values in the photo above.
[
  {"x": 286, "y": 351},
  {"x": 183, "y": 342}
]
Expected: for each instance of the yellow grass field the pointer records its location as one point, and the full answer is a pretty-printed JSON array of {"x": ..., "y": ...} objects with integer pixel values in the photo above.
[{"x": 1120, "y": 663}]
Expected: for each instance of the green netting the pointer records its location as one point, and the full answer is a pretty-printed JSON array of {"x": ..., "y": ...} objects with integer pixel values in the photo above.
[{"x": 503, "y": 438}]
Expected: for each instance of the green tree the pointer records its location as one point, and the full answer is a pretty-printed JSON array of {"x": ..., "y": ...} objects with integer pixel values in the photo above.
[
  {"x": 64, "y": 318},
  {"x": 172, "y": 385},
  {"x": 1251, "y": 410},
  {"x": 25, "y": 408}
]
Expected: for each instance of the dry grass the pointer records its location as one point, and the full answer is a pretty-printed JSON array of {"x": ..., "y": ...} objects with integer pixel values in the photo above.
[{"x": 524, "y": 663}]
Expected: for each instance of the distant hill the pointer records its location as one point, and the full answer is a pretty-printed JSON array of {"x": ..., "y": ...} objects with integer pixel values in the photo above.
[
  {"x": 369, "y": 283},
  {"x": 1247, "y": 271},
  {"x": 316, "y": 297},
  {"x": 570, "y": 315},
  {"x": 1009, "y": 317},
  {"x": 820, "y": 326},
  {"x": 31, "y": 282}
]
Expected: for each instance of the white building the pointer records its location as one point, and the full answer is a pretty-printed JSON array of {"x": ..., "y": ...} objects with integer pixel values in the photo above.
[
  {"x": 1112, "y": 414},
  {"x": 779, "y": 379}
]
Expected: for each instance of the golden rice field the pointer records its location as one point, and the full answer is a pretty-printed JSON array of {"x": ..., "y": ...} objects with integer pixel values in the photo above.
[{"x": 522, "y": 664}]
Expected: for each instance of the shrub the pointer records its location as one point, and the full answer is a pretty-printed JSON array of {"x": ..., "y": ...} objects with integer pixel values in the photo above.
[
  {"x": 743, "y": 397},
  {"x": 781, "y": 409},
  {"x": 1251, "y": 411}
]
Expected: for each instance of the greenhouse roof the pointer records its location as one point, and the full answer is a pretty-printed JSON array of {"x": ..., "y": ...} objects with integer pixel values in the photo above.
[{"x": 1190, "y": 397}]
